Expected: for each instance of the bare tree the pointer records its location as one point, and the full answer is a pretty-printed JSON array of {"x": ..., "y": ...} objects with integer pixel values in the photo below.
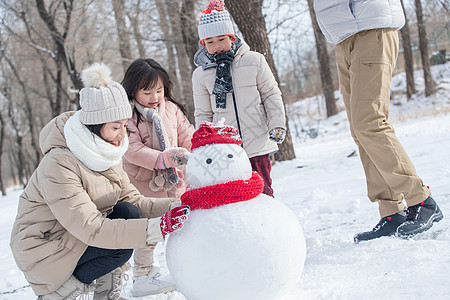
[
  {"x": 134, "y": 19},
  {"x": 408, "y": 58},
  {"x": 32, "y": 34},
  {"x": 189, "y": 29},
  {"x": 423, "y": 46},
  {"x": 25, "y": 123},
  {"x": 62, "y": 59},
  {"x": 43, "y": 30},
  {"x": 165, "y": 28},
  {"x": 2, "y": 139},
  {"x": 28, "y": 111},
  {"x": 124, "y": 38},
  {"x": 2, "y": 134},
  {"x": 445, "y": 4},
  {"x": 249, "y": 18},
  {"x": 183, "y": 60},
  {"x": 324, "y": 63},
  {"x": 20, "y": 132}
]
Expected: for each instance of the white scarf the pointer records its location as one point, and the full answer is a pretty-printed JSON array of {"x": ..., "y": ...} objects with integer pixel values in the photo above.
[{"x": 93, "y": 151}]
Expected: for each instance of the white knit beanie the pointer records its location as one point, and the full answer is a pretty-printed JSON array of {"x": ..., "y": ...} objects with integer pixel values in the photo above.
[
  {"x": 215, "y": 21},
  {"x": 102, "y": 100}
]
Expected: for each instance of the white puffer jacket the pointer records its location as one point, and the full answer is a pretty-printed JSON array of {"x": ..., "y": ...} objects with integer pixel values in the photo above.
[
  {"x": 258, "y": 98},
  {"x": 340, "y": 19}
]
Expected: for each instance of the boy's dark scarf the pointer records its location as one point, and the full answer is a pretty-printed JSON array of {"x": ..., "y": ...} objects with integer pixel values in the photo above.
[{"x": 224, "y": 82}]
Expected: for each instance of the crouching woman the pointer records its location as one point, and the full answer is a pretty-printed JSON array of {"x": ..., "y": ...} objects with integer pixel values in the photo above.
[{"x": 79, "y": 217}]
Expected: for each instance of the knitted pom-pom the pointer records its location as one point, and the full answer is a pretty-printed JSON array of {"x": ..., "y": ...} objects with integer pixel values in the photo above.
[
  {"x": 217, "y": 5},
  {"x": 96, "y": 75}
]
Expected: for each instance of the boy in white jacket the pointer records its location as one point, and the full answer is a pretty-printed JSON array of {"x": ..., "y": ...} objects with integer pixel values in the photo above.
[{"x": 237, "y": 84}]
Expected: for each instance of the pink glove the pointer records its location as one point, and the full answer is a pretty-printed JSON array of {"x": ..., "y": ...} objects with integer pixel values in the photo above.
[
  {"x": 172, "y": 157},
  {"x": 174, "y": 219}
]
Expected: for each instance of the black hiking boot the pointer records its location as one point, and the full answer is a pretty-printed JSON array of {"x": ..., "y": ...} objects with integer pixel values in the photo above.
[
  {"x": 420, "y": 218},
  {"x": 386, "y": 227}
]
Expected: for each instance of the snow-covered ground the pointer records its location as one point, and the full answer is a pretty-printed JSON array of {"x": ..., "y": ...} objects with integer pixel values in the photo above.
[{"x": 326, "y": 190}]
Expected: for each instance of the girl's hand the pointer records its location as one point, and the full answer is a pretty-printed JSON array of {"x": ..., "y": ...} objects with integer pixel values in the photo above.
[{"x": 172, "y": 157}]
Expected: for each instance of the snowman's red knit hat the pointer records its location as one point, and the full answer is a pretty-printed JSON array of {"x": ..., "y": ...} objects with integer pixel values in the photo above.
[{"x": 210, "y": 133}]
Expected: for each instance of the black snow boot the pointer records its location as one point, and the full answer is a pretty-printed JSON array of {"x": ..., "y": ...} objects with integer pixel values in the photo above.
[
  {"x": 386, "y": 227},
  {"x": 420, "y": 218}
]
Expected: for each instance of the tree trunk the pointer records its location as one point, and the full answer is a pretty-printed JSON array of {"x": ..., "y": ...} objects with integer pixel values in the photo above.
[
  {"x": 2, "y": 139},
  {"x": 59, "y": 39},
  {"x": 19, "y": 139},
  {"x": 184, "y": 64},
  {"x": 14, "y": 176},
  {"x": 21, "y": 161},
  {"x": 423, "y": 46},
  {"x": 165, "y": 28},
  {"x": 248, "y": 16},
  {"x": 124, "y": 38},
  {"x": 408, "y": 58},
  {"x": 134, "y": 21},
  {"x": 28, "y": 110},
  {"x": 189, "y": 29},
  {"x": 324, "y": 63}
]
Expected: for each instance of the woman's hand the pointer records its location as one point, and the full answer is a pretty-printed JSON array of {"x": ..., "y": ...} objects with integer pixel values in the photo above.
[{"x": 174, "y": 219}]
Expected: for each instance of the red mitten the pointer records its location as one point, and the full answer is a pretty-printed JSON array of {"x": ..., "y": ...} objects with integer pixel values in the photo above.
[{"x": 174, "y": 219}]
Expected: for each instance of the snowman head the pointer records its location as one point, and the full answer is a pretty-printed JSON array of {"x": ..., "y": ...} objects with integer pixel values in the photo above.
[{"x": 217, "y": 156}]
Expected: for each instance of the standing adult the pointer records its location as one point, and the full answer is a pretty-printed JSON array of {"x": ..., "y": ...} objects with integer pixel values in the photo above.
[{"x": 365, "y": 33}]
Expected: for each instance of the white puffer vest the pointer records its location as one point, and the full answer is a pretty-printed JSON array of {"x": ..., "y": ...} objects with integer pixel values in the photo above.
[{"x": 340, "y": 19}]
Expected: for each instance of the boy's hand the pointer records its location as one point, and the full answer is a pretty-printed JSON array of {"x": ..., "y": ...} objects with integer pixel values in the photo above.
[{"x": 277, "y": 135}]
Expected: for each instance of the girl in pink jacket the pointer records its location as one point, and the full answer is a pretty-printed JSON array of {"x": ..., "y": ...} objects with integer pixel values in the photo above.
[{"x": 160, "y": 137}]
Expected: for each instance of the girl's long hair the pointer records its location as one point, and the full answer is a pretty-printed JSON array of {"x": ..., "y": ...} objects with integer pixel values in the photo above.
[{"x": 144, "y": 73}]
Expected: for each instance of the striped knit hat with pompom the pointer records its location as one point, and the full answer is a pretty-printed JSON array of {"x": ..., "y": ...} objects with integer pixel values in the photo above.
[
  {"x": 102, "y": 100},
  {"x": 215, "y": 21}
]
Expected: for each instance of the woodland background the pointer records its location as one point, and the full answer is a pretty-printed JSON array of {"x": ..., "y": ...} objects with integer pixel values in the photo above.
[{"x": 44, "y": 45}]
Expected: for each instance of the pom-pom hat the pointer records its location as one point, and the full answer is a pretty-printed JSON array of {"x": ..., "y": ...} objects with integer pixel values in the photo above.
[
  {"x": 215, "y": 21},
  {"x": 102, "y": 100},
  {"x": 209, "y": 133}
]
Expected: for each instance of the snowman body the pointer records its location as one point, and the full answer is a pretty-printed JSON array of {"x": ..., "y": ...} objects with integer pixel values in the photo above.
[{"x": 252, "y": 249}]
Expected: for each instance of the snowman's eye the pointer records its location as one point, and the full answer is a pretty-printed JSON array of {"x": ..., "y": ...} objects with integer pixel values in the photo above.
[
  {"x": 208, "y": 161},
  {"x": 230, "y": 155}
]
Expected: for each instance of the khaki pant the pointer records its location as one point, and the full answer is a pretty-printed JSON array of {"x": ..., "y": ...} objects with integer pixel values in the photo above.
[
  {"x": 143, "y": 260},
  {"x": 365, "y": 64}
]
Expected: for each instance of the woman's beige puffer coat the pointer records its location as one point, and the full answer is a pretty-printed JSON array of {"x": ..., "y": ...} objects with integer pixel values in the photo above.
[{"x": 63, "y": 210}]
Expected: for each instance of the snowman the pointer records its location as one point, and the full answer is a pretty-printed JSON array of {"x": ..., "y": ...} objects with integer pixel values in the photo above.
[{"x": 238, "y": 243}]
